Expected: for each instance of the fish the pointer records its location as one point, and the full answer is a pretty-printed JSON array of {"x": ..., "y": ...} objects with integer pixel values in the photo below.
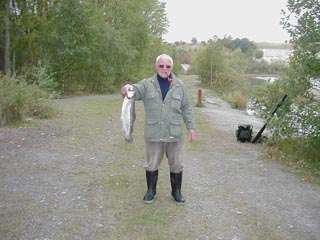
[{"x": 128, "y": 115}]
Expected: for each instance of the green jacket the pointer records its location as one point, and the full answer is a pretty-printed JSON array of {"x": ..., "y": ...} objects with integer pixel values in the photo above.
[{"x": 163, "y": 119}]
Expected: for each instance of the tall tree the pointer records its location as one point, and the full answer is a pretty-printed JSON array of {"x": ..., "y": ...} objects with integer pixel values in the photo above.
[
  {"x": 194, "y": 41},
  {"x": 302, "y": 21},
  {"x": 87, "y": 45},
  {"x": 7, "y": 62},
  {"x": 298, "y": 118}
]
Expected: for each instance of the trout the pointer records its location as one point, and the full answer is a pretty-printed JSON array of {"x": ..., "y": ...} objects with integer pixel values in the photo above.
[{"x": 128, "y": 115}]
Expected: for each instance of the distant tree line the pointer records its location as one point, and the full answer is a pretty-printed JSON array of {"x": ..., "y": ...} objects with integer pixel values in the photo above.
[{"x": 222, "y": 63}]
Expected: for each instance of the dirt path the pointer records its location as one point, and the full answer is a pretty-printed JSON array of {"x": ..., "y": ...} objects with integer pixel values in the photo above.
[{"x": 73, "y": 177}]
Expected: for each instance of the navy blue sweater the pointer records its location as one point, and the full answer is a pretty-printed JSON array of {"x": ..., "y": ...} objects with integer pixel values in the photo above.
[{"x": 164, "y": 86}]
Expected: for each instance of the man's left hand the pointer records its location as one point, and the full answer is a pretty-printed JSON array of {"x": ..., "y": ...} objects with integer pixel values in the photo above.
[{"x": 192, "y": 135}]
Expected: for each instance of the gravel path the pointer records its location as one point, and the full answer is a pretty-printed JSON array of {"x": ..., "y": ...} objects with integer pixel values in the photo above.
[
  {"x": 238, "y": 194},
  {"x": 74, "y": 177}
]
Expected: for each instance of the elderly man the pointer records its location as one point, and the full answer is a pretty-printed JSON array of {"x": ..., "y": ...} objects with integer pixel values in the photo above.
[{"x": 166, "y": 105}]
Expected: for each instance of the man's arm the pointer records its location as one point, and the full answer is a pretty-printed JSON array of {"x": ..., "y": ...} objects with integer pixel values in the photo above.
[
  {"x": 138, "y": 88},
  {"x": 187, "y": 116}
]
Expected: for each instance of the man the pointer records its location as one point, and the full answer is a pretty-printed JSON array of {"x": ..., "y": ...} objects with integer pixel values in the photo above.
[{"x": 166, "y": 105}]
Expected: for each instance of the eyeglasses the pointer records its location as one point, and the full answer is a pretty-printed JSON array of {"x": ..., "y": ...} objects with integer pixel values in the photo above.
[{"x": 162, "y": 66}]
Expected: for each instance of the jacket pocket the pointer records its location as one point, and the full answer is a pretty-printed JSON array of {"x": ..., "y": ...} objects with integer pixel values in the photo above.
[
  {"x": 175, "y": 128},
  {"x": 152, "y": 128},
  {"x": 176, "y": 102},
  {"x": 151, "y": 102}
]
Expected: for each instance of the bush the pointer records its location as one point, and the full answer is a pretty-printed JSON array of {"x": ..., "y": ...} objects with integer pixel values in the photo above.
[
  {"x": 237, "y": 99},
  {"x": 40, "y": 76},
  {"x": 295, "y": 127},
  {"x": 300, "y": 152},
  {"x": 20, "y": 100}
]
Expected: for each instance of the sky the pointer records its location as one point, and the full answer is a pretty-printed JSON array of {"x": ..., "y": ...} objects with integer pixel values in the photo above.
[{"x": 258, "y": 20}]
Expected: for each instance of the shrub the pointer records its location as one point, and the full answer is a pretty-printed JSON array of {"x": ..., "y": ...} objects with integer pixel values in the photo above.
[
  {"x": 295, "y": 127},
  {"x": 237, "y": 99},
  {"x": 40, "y": 76},
  {"x": 300, "y": 152},
  {"x": 19, "y": 100}
]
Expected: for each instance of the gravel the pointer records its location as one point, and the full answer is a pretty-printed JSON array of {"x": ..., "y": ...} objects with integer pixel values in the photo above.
[{"x": 74, "y": 177}]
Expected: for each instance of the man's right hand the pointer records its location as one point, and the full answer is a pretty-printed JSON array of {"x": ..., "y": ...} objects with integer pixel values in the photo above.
[{"x": 124, "y": 89}]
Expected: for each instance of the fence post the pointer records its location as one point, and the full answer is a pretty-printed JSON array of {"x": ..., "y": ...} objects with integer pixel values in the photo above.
[{"x": 199, "y": 101}]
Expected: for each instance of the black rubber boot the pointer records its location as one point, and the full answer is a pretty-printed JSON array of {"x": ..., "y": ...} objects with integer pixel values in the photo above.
[
  {"x": 152, "y": 178},
  {"x": 176, "y": 180}
]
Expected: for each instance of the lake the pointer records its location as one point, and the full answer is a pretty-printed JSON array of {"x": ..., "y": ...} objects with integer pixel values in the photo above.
[{"x": 271, "y": 55}]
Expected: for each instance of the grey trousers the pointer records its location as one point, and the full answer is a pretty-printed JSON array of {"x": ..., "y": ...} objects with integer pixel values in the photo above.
[{"x": 155, "y": 152}]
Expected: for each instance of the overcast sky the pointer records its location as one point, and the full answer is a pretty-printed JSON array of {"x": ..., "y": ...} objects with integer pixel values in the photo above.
[{"x": 258, "y": 20}]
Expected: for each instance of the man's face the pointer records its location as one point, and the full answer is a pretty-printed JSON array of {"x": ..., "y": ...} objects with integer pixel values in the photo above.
[{"x": 164, "y": 67}]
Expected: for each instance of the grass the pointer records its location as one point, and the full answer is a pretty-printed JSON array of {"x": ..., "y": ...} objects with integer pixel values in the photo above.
[
  {"x": 202, "y": 124},
  {"x": 123, "y": 178},
  {"x": 146, "y": 222},
  {"x": 236, "y": 99},
  {"x": 204, "y": 130},
  {"x": 294, "y": 154},
  {"x": 91, "y": 127},
  {"x": 20, "y": 100}
]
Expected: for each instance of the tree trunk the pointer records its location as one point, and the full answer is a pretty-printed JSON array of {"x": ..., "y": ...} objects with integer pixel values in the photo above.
[
  {"x": 13, "y": 72},
  {"x": 211, "y": 78},
  {"x": 7, "y": 63}
]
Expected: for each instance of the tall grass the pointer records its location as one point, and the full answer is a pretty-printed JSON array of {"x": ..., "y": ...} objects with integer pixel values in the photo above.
[
  {"x": 19, "y": 100},
  {"x": 302, "y": 154}
]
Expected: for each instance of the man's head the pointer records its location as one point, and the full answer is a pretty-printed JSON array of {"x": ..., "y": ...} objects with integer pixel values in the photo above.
[{"x": 164, "y": 65}]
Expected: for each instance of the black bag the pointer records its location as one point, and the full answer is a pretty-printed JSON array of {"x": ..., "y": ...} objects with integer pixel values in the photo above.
[{"x": 244, "y": 133}]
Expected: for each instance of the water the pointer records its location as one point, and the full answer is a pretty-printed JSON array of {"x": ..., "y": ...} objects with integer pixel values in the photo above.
[
  {"x": 271, "y": 55},
  {"x": 269, "y": 79}
]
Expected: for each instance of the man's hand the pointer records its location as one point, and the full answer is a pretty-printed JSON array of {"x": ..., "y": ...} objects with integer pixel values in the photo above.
[
  {"x": 192, "y": 135},
  {"x": 124, "y": 90}
]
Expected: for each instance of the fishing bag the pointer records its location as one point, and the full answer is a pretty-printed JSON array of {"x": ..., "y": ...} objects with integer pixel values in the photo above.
[{"x": 244, "y": 133}]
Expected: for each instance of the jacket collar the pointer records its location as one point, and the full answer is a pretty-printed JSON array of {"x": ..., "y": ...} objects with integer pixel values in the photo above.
[{"x": 173, "y": 80}]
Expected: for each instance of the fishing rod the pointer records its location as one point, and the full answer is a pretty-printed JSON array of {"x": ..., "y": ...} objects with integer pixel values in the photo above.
[{"x": 257, "y": 137}]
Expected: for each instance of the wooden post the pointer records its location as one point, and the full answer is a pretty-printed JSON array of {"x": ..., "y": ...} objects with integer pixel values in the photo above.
[{"x": 199, "y": 101}]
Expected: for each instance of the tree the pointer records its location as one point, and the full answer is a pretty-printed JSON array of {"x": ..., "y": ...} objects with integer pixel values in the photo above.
[
  {"x": 86, "y": 45},
  {"x": 218, "y": 66},
  {"x": 154, "y": 12},
  {"x": 7, "y": 43},
  {"x": 244, "y": 44},
  {"x": 297, "y": 123},
  {"x": 301, "y": 20},
  {"x": 259, "y": 54}
]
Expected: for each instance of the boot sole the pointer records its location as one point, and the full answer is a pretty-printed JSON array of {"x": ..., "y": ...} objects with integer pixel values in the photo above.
[
  {"x": 178, "y": 203},
  {"x": 149, "y": 201}
]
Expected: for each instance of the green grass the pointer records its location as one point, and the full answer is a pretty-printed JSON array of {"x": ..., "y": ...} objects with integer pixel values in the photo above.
[
  {"x": 123, "y": 178},
  {"x": 301, "y": 156},
  {"x": 20, "y": 100},
  {"x": 204, "y": 130}
]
